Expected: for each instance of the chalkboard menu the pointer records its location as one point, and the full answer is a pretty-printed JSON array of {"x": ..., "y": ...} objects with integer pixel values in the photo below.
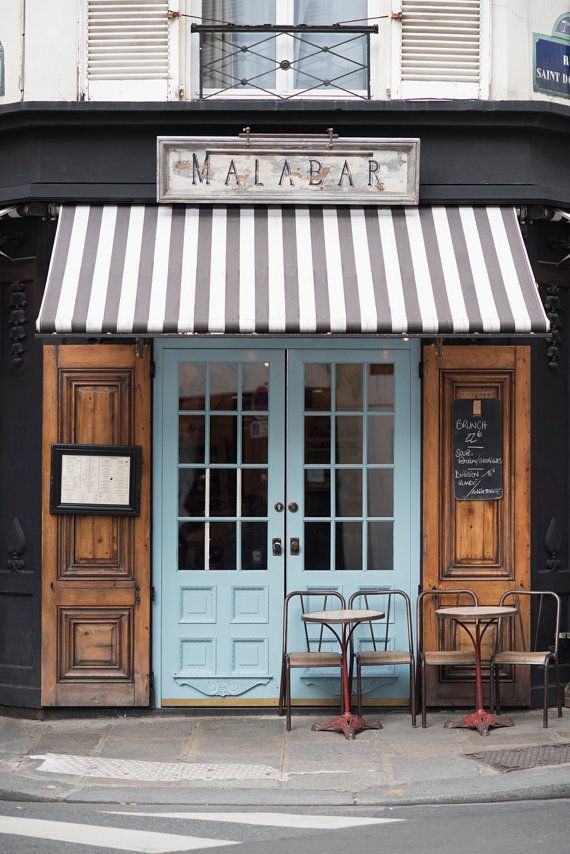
[{"x": 477, "y": 450}]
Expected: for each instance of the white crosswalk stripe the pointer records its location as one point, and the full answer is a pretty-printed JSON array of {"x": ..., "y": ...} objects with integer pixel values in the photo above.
[
  {"x": 119, "y": 839},
  {"x": 271, "y": 819}
]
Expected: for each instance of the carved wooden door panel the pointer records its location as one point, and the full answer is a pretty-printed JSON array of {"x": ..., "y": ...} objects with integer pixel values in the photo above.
[
  {"x": 96, "y": 569},
  {"x": 481, "y": 545}
]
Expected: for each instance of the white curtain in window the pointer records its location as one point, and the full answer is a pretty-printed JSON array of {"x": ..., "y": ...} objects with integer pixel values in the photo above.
[
  {"x": 228, "y": 59},
  {"x": 339, "y": 65}
]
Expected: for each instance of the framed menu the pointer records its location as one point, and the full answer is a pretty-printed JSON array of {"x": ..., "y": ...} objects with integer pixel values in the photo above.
[{"x": 101, "y": 480}]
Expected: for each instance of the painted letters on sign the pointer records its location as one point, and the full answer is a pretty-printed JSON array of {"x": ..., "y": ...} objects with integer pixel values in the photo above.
[
  {"x": 477, "y": 450},
  {"x": 552, "y": 60},
  {"x": 229, "y": 170}
]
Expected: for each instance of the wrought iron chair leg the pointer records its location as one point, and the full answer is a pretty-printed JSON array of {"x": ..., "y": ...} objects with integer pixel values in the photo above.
[
  {"x": 288, "y": 695},
  {"x": 359, "y": 684},
  {"x": 424, "y": 716},
  {"x": 497, "y": 690},
  {"x": 491, "y": 686},
  {"x": 558, "y": 695},
  {"x": 413, "y": 693},
  {"x": 545, "y": 707},
  {"x": 281, "y": 709}
]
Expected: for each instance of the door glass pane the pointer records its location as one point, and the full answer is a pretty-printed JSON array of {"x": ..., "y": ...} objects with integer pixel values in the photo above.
[
  {"x": 348, "y": 546},
  {"x": 348, "y": 492},
  {"x": 317, "y": 439},
  {"x": 191, "y": 492},
  {"x": 191, "y": 438},
  {"x": 381, "y": 387},
  {"x": 348, "y": 439},
  {"x": 191, "y": 545},
  {"x": 381, "y": 439},
  {"x": 317, "y": 492},
  {"x": 380, "y": 545},
  {"x": 254, "y": 545},
  {"x": 191, "y": 385},
  {"x": 254, "y": 492},
  {"x": 317, "y": 545},
  {"x": 349, "y": 387},
  {"x": 223, "y": 492},
  {"x": 223, "y": 386},
  {"x": 254, "y": 439},
  {"x": 380, "y": 492},
  {"x": 255, "y": 391},
  {"x": 318, "y": 387},
  {"x": 222, "y": 545},
  {"x": 223, "y": 439}
]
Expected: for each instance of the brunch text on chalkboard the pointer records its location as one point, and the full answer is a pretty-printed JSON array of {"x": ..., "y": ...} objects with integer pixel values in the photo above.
[{"x": 477, "y": 450}]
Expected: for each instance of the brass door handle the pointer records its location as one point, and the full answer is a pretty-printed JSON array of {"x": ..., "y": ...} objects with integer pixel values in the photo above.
[
  {"x": 276, "y": 547},
  {"x": 294, "y": 548}
]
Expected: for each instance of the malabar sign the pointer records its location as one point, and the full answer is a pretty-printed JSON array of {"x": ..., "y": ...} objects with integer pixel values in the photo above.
[
  {"x": 552, "y": 60},
  {"x": 288, "y": 170}
]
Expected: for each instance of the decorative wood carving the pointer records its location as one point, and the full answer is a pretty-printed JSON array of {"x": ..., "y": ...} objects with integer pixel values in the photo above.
[
  {"x": 95, "y": 644},
  {"x": 553, "y": 308},
  {"x": 16, "y": 545},
  {"x": 17, "y": 320},
  {"x": 332, "y": 685},
  {"x": 220, "y": 687},
  {"x": 553, "y": 546}
]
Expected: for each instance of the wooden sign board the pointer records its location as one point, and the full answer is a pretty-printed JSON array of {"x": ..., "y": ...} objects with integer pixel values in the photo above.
[
  {"x": 286, "y": 170},
  {"x": 477, "y": 450}
]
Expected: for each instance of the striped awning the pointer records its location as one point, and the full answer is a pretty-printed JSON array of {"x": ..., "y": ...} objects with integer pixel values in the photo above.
[{"x": 149, "y": 270}]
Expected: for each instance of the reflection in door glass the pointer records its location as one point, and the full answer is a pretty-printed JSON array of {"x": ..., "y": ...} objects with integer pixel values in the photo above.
[
  {"x": 254, "y": 492},
  {"x": 255, "y": 389},
  {"x": 348, "y": 546},
  {"x": 191, "y": 492},
  {"x": 223, "y": 386},
  {"x": 381, "y": 439},
  {"x": 380, "y": 492},
  {"x": 317, "y": 439},
  {"x": 348, "y": 492},
  {"x": 317, "y": 492},
  {"x": 318, "y": 387},
  {"x": 223, "y": 439},
  {"x": 348, "y": 439},
  {"x": 317, "y": 546},
  {"x": 191, "y": 385},
  {"x": 254, "y": 438},
  {"x": 191, "y": 438},
  {"x": 349, "y": 392},
  {"x": 380, "y": 545},
  {"x": 381, "y": 387},
  {"x": 222, "y": 545},
  {"x": 223, "y": 492},
  {"x": 254, "y": 545},
  {"x": 191, "y": 538}
]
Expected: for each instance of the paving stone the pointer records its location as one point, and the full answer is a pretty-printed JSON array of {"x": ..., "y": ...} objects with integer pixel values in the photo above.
[{"x": 410, "y": 769}]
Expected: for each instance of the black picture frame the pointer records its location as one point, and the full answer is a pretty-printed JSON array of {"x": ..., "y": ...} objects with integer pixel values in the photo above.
[{"x": 57, "y": 506}]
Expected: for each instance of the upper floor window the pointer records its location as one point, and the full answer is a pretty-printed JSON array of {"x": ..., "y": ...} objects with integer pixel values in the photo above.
[{"x": 284, "y": 48}]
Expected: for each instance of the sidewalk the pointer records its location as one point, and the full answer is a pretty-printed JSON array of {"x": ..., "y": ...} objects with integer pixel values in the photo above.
[{"x": 251, "y": 760}]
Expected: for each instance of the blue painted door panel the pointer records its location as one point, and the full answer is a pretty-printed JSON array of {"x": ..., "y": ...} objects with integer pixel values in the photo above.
[{"x": 223, "y": 450}]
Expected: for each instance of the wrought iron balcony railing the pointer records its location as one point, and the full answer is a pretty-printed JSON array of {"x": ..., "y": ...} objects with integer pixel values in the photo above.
[{"x": 284, "y": 62}]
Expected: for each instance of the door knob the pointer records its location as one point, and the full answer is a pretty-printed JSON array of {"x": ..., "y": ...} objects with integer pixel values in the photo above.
[
  {"x": 293, "y": 506},
  {"x": 279, "y": 507},
  {"x": 276, "y": 546}
]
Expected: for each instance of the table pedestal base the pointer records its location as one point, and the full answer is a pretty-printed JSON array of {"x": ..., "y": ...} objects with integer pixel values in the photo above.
[
  {"x": 481, "y": 721},
  {"x": 348, "y": 723}
]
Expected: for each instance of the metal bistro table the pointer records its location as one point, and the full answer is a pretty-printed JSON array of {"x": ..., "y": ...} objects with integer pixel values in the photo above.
[
  {"x": 485, "y": 615},
  {"x": 348, "y": 619}
]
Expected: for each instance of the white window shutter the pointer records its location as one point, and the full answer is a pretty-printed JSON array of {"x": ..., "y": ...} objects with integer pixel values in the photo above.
[
  {"x": 441, "y": 48},
  {"x": 127, "y": 53}
]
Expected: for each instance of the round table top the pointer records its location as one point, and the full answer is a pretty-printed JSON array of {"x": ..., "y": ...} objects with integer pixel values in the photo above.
[
  {"x": 479, "y": 612},
  {"x": 345, "y": 615}
]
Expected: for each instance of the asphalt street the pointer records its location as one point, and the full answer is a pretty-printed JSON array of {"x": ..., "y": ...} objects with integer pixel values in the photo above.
[{"x": 508, "y": 828}]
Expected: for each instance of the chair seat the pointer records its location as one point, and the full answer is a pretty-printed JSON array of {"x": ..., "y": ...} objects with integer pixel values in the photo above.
[
  {"x": 390, "y": 656},
  {"x": 514, "y": 657},
  {"x": 449, "y": 656},
  {"x": 314, "y": 659}
]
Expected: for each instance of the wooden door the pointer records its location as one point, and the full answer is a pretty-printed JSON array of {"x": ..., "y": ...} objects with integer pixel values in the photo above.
[
  {"x": 96, "y": 569},
  {"x": 480, "y": 545}
]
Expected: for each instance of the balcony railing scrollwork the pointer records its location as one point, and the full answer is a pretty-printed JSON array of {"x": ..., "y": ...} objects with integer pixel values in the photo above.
[{"x": 284, "y": 62}]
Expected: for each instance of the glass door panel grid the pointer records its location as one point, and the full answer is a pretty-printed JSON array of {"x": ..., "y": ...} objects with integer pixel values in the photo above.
[
  {"x": 245, "y": 410},
  {"x": 368, "y": 475}
]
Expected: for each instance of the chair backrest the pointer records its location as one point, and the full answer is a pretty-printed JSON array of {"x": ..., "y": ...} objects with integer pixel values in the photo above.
[
  {"x": 545, "y": 603},
  {"x": 320, "y": 600},
  {"x": 383, "y": 600},
  {"x": 441, "y": 598}
]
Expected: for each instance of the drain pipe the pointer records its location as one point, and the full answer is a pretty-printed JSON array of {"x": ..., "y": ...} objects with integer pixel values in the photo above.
[{"x": 23, "y": 54}]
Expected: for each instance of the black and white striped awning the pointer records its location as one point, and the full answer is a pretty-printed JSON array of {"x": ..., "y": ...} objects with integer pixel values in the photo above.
[{"x": 150, "y": 270}]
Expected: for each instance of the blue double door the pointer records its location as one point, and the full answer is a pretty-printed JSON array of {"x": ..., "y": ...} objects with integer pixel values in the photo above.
[{"x": 277, "y": 469}]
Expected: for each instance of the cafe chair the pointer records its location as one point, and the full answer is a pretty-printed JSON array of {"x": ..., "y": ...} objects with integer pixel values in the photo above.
[
  {"x": 313, "y": 655},
  {"x": 379, "y": 638},
  {"x": 526, "y": 652},
  {"x": 446, "y": 654}
]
